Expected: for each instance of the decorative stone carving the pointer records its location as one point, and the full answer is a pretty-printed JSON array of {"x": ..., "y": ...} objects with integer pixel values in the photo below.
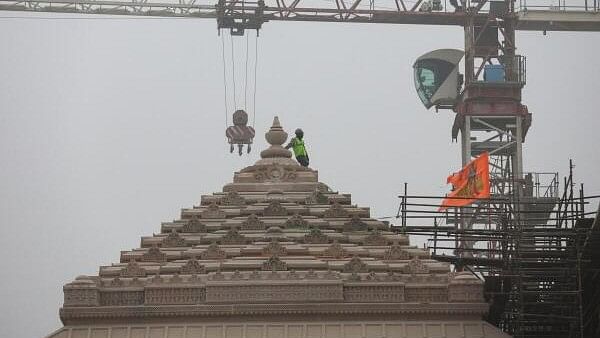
[
  {"x": 426, "y": 294},
  {"x": 122, "y": 298},
  {"x": 354, "y": 277},
  {"x": 176, "y": 295},
  {"x": 296, "y": 221},
  {"x": 240, "y": 292},
  {"x": 192, "y": 267},
  {"x": 331, "y": 274},
  {"x": 372, "y": 276},
  {"x": 336, "y": 210},
  {"x": 233, "y": 198},
  {"x": 157, "y": 279},
  {"x": 237, "y": 275},
  {"x": 375, "y": 238},
  {"x": 275, "y": 209},
  {"x": 335, "y": 250},
  {"x": 274, "y": 264},
  {"x": 396, "y": 253},
  {"x": 133, "y": 269},
  {"x": 274, "y": 230},
  {"x": 274, "y": 248},
  {"x": 293, "y": 275},
  {"x": 263, "y": 288},
  {"x": 194, "y": 225},
  {"x": 355, "y": 224},
  {"x": 355, "y": 265},
  {"x": 116, "y": 282},
  {"x": 81, "y": 292},
  {"x": 255, "y": 275},
  {"x": 233, "y": 237},
  {"x": 213, "y": 211},
  {"x": 315, "y": 237},
  {"x": 218, "y": 276},
  {"x": 374, "y": 293},
  {"x": 175, "y": 279},
  {"x": 213, "y": 252},
  {"x": 154, "y": 255},
  {"x": 317, "y": 197},
  {"x": 416, "y": 266},
  {"x": 173, "y": 240},
  {"x": 253, "y": 223},
  {"x": 275, "y": 173},
  {"x": 465, "y": 288}
]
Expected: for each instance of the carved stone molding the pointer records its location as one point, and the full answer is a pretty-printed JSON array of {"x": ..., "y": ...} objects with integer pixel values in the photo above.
[
  {"x": 355, "y": 224},
  {"x": 233, "y": 237},
  {"x": 396, "y": 253},
  {"x": 116, "y": 282},
  {"x": 194, "y": 225},
  {"x": 296, "y": 221},
  {"x": 335, "y": 250},
  {"x": 315, "y": 237},
  {"x": 173, "y": 240},
  {"x": 416, "y": 266},
  {"x": 317, "y": 197},
  {"x": 355, "y": 265},
  {"x": 275, "y": 209},
  {"x": 274, "y": 248},
  {"x": 192, "y": 267},
  {"x": 213, "y": 211},
  {"x": 133, "y": 269},
  {"x": 274, "y": 264},
  {"x": 375, "y": 238},
  {"x": 253, "y": 223},
  {"x": 275, "y": 173},
  {"x": 336, "y": 210},
  {"x": 233, "y": 198},
  {"x": 213, "y": 252},
  {"x": 154, "y": 254}
]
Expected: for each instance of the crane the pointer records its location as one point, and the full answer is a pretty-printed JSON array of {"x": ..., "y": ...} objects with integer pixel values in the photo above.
[{"x": 488, "y": 95}]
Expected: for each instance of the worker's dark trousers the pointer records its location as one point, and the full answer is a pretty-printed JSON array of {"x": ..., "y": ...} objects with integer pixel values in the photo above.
[{"x": 303, "y": 160}]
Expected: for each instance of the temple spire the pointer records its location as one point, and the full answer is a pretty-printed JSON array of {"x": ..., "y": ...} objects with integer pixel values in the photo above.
[{"x": 276, "y": 137}]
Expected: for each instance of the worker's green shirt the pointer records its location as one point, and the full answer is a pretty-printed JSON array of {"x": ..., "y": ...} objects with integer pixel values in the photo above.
[{"x": 298, "y": 147}]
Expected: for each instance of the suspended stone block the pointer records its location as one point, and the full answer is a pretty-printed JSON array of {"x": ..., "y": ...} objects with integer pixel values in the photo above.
[{"x": 240, "y": 133}]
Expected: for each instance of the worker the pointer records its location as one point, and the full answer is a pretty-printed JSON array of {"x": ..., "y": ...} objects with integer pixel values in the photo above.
[{"x": 297, "y": 144}]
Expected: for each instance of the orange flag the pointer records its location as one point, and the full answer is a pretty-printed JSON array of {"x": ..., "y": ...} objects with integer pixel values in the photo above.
[{"x": 469, "y": 184}]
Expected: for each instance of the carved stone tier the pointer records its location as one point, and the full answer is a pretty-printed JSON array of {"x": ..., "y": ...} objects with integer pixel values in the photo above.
[{"x": 275, "y": 246}]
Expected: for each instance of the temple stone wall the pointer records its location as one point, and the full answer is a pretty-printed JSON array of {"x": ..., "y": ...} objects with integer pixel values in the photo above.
[
  {"x": 397, "y": 329},
  {"x": 275, "y": 247}
]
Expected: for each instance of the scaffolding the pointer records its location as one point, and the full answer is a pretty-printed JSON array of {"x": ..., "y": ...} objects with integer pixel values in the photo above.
[{"x": 535, "y": 249}]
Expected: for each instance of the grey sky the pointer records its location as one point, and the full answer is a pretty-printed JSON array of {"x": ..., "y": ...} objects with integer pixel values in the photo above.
[{"x": 108, "y": 127}]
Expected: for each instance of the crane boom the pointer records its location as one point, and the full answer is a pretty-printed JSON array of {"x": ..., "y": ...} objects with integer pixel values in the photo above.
[{"x": 537, "y": 18}]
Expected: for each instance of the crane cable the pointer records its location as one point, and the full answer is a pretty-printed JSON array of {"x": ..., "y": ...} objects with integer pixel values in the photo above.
[
  {"x": 224, "y": 76},
  {"x": 246, "y": 76},
  {"x": 235, "y": 106},
  {"x": 255, "y": 68},
  {"x": 224, "y": 61}
]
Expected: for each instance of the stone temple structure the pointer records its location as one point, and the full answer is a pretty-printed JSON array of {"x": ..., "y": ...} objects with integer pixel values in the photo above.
[{"x": 276, "y": 254}]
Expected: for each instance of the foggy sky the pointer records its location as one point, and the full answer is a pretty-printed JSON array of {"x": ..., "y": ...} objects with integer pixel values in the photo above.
[{"x": 109, "y": 127}]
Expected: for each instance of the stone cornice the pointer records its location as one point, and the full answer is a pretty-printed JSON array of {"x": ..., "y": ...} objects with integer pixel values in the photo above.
[{"x": 71, "y": 315}]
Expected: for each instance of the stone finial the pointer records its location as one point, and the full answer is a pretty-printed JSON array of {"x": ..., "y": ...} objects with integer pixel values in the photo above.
[{"x": 276, "y": 136}]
